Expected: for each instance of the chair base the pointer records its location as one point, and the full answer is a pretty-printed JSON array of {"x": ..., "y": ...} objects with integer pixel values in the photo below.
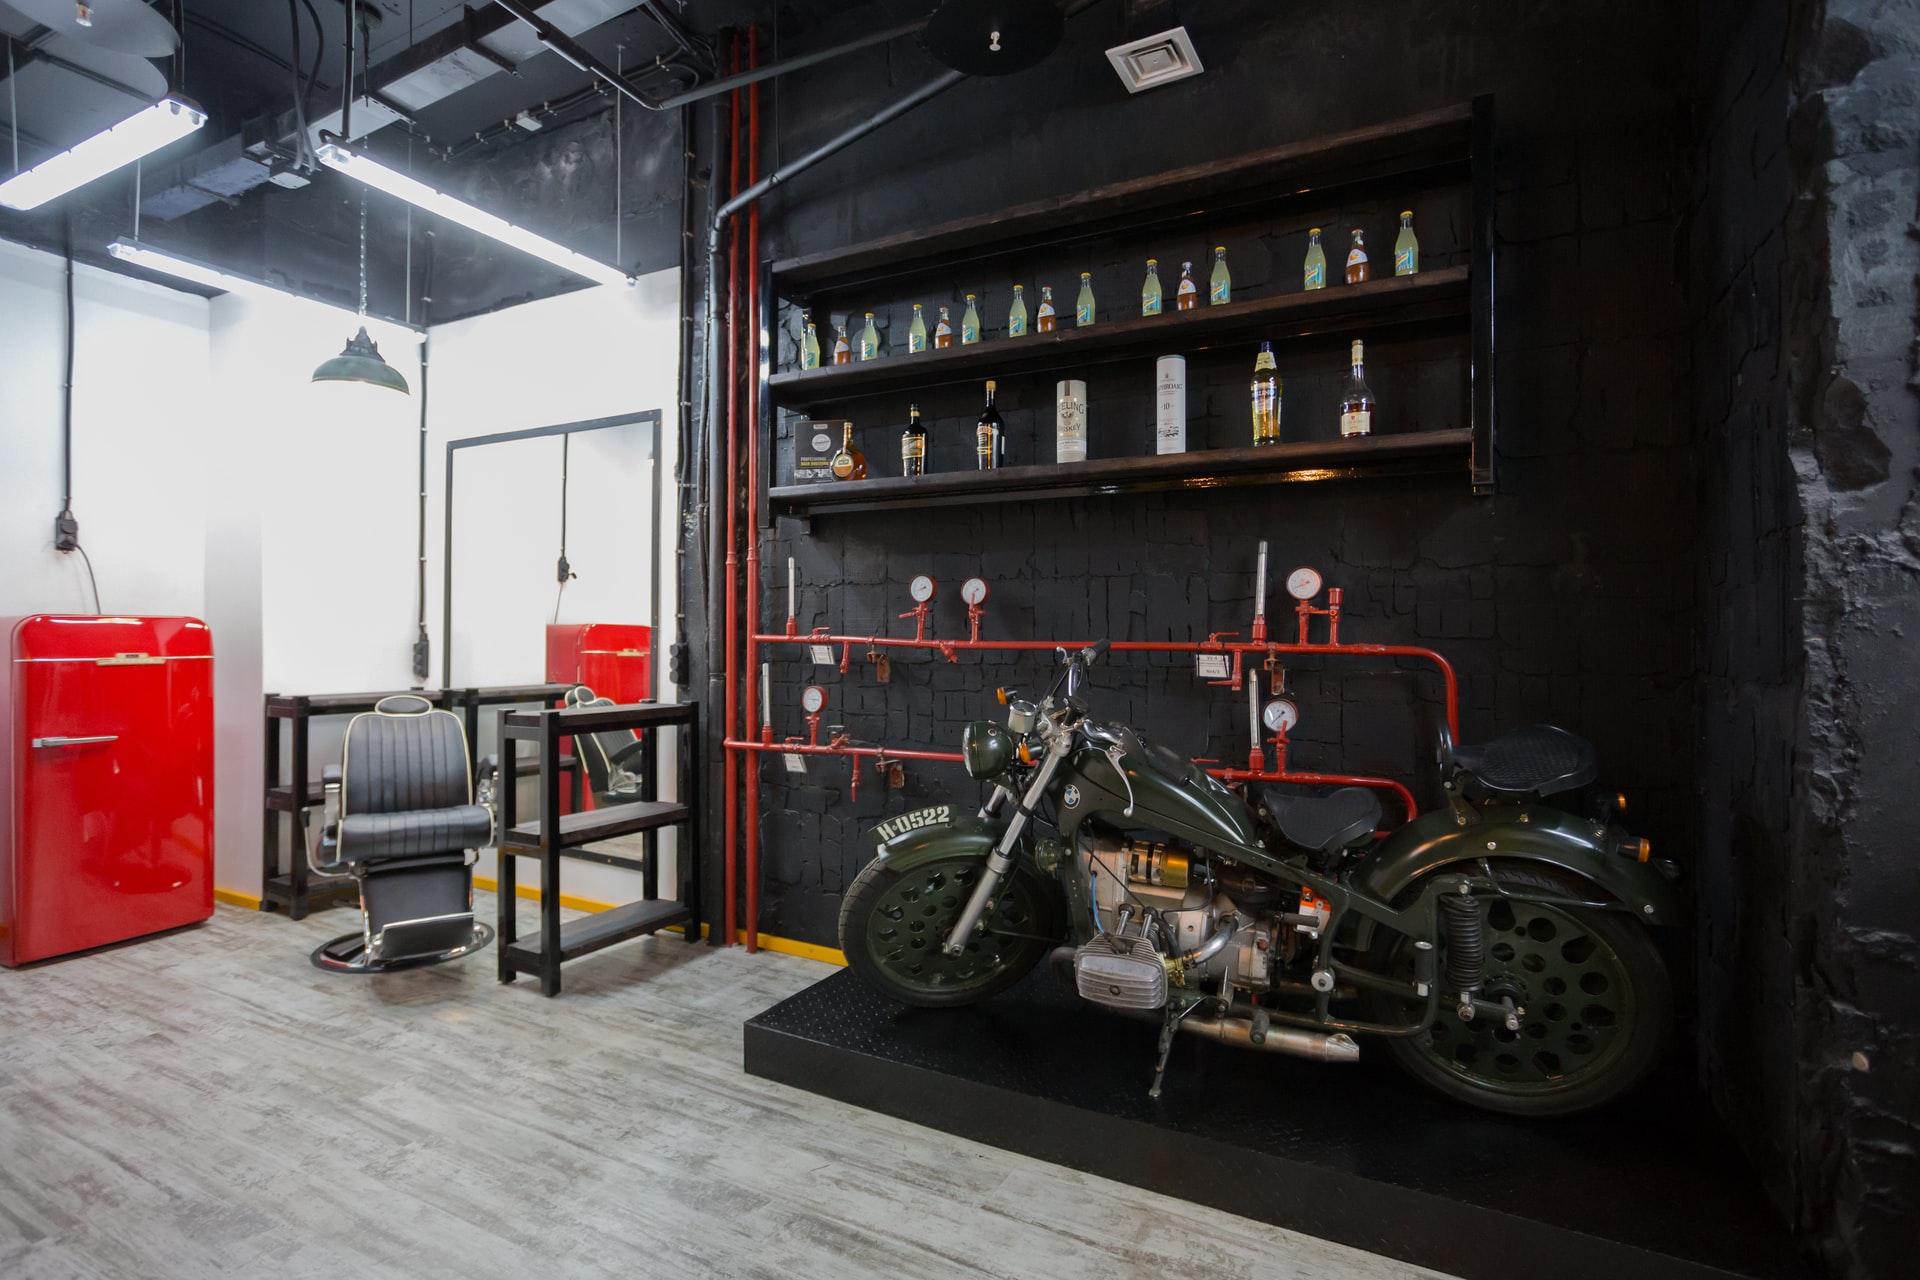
[{"x": 348, "y": 953}]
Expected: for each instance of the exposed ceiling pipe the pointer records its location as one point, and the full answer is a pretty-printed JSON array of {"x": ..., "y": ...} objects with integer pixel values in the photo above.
[
  {"x": 570, "y": 49},
  {"x": 796, "y": 63}
]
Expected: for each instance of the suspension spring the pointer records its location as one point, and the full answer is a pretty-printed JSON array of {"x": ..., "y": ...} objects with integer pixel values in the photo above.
[{"x": 1466, "y": 944}]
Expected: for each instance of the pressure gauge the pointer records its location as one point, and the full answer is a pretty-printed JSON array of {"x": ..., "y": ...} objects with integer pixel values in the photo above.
[
  {"x": 1280, "y": 715},
  {"x": 921, "y": 589},
  {"x": 1303, "y": 584},
  {"x": 812, "y": 698},
  {"x": 974, "y": 591}
]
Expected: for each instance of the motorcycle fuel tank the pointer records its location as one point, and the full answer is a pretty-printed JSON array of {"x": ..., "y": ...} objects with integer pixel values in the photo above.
[{"x": 1196, "y": 808}]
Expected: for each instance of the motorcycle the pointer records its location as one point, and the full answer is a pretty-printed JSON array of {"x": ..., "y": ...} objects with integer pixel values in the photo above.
[{"x": 1498, "y": 947}]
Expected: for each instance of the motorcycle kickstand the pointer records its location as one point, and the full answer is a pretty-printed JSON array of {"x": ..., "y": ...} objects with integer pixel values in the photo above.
[{"x": 1167, "y": 1028}]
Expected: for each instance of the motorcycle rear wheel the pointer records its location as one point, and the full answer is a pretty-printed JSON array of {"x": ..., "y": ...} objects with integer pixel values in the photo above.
[
  {"x": 1598, "y": 1006},
  {"x": 892, "y": 925}
]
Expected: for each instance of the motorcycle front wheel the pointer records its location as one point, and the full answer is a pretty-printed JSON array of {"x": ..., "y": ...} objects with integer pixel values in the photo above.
[
  {"x": 892, "y": 925},
  {"x": 1598, "y": 1006}
]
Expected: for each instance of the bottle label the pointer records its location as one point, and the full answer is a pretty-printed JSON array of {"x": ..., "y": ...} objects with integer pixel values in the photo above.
[
  {"x": 842, "y": 465},
  {"x": 1083, "y": 314},
  {"x": 1356, "y": 257},
  {"x": 913, "y": 452},
  {"x": 1149, "y": 304},
  {"x": 916, "y": 342},
  {"x": 1016, "y": 325},
  {"x": 1218, "y": 294},
  {"x": 969, "y": 334},
  {"x": 983, "y": 446},
  {"x": 1403, "y": 262},
  {"x": 1316, "y": 275},
  {"x": 868, "y": 349},
  {"x": 1359, "y": 422},
  {"x": 810, "y": 359}
]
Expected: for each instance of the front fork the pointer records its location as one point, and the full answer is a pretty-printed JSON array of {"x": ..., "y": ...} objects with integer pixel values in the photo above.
[{"x": 1000, "y": 861}]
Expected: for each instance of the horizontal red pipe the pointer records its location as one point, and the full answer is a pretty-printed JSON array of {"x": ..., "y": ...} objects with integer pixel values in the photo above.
[{"x": 822, "y": 749}]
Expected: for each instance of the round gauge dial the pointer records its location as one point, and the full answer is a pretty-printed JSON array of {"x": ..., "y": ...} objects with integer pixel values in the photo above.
[
  {"x": 1280, "y": 715},
  {"x": 974, "y": 591},
  {"x": 1303, "y": 584},
  {"x": 921, "y": 589},
  {"x": 813, "y": 697}
]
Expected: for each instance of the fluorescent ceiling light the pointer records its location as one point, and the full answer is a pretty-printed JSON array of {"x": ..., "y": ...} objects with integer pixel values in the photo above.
[
  {"x": 414, "y": 192},
  {"x": 140, "y": 134},
  {"x": 172, "y": 264}
]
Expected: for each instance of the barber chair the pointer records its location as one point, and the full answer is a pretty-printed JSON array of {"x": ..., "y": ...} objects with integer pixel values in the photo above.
[
  {"x": 401, "y": 819},
  {"x": 613, "y": 759}
]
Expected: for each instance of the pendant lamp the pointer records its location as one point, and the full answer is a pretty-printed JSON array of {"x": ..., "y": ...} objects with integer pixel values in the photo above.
[
  {"x": 995, "y": 37},
  {"x": 361, "y": 361}
]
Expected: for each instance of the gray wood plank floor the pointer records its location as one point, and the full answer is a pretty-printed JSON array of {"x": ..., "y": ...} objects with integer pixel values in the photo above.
[{"x": 208, "y": 1104}]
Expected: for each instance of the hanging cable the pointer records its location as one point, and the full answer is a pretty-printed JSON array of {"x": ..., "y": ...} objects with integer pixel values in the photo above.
[
  {"x": 563, "y": 569},
  {"x": 13, "y": 107}
]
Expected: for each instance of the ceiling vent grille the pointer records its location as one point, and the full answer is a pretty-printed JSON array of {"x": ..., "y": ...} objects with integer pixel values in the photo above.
[{"x": 1152, "y": 61}]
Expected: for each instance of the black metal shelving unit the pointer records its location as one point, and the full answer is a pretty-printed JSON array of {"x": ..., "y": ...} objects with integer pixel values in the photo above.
[{"x": 552, "y": 836}]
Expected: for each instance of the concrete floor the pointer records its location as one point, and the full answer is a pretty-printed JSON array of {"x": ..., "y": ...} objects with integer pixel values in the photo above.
[{"x": 208, "y": 1104}]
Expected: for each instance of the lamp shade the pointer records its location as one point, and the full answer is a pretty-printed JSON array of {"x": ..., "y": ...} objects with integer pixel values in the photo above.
[
  {"x": 995, "y": 37},
  {"x": 361, "y": 362}
]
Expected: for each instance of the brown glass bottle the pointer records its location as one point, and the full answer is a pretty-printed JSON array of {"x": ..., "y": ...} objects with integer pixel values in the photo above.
[
  {"x": 849, "y": 463},
  {"x": 913, "y": 445},
  {"x": 990, "y": 436},
  {"x": 1357, "y": 259}
]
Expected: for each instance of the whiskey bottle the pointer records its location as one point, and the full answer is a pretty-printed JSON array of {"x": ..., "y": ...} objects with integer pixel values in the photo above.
[
  {"x": 842, "y": 350},
  {"x": 849, "y": 463},
  {"x": 1356, "y": 406},
  {"x": 990, "y": 437},
  {"x": 913, "y": 445},
  {"x": 1187, "y": 297},
  {"x": 1070, "y": 421},
  {"x": 1150, "y": 289},
  {"x": 1220, "y": 286},
  {"x": 943, "y": 332},
  {"x": 809, "y": 345},
  {"x": 1357, "y": 259},
  {"x": 1406, "y": 249},
  {"x": 1048, "y": 318},
  {"x": 1017, "y": 314},
  {"x": 969, "y": 324},
  {"x": 917, "y": 331},
  {"x": 1083, "y": 305},
  {"x": 1316, "y": 271},
  {"x": 869, "y": 340},
  {"x": 1266, "y": 397}
]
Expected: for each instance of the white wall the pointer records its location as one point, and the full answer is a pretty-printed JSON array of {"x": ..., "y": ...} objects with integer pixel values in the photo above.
[{"x": 139, "y": 440}]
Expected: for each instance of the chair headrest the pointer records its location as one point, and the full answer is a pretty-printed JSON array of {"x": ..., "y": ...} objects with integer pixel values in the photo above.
[
  {"x": 402, "y": 704},
  {"x": 578, "y": 696}
]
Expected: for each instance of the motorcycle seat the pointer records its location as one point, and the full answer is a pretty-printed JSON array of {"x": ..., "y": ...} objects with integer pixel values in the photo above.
[
  {"x": 1326, "y": 823},
  {"x": 1540, "y": 759}
]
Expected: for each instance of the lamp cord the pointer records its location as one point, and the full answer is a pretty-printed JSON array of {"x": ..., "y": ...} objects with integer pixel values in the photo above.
[
  {"x": 363, "y": 253},
  {"x": 66, "y": 392},
  {"x": 13, "y": 107},
  {"x": 564, "y": 570}
]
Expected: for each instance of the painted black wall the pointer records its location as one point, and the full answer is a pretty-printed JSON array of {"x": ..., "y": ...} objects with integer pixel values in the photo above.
[
  {"x": 1568, "y": 596},
  {"x": 1805, "y": 266}
]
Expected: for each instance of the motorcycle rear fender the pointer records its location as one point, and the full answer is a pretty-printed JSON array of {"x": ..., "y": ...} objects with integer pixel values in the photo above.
[
  {"x": 962, "y": 836},
  {"x": 1436, "y": 840}
]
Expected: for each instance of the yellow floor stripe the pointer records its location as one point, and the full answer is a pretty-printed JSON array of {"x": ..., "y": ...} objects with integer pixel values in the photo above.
[{"x": 234, "y": 898}]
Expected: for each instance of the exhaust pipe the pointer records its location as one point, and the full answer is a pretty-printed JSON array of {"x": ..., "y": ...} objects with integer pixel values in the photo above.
[{"x": 1317, "y": 1045}]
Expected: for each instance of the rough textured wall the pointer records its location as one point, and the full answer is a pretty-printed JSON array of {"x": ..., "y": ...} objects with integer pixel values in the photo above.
[
  {"x": 1567, "y": 596},
  {"x": 1806, "y": 259}
]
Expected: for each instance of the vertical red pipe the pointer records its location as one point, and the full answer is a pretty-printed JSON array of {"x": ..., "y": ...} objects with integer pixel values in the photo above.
[
  {"x": 750, "y": 671},
  {"x": 730, "y": 825}
]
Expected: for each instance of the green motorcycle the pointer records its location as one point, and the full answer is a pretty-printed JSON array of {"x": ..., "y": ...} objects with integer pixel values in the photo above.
[{"x": 1498, "y": 947}]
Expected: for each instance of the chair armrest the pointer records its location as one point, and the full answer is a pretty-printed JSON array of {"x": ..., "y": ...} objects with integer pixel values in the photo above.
[
  {"x": 330, "y": 776},
  {"x": 324, "y": 854}
]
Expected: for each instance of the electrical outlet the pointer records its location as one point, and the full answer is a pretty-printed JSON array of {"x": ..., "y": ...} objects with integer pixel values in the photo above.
[{"x": 66, "y": 532}]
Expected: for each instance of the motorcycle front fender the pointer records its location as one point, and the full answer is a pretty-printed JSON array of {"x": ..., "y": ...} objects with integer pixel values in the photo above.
[
  {"x": 1436, "y": 840},
  {"x": 959, "y": 836}
]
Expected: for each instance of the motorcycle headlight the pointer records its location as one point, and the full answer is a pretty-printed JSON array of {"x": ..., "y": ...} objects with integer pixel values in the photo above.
[{"x": 987, "y": 749}]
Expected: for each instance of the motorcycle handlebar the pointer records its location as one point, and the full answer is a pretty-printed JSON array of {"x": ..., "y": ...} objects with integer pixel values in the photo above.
[{"x": 1094, "y": 651}]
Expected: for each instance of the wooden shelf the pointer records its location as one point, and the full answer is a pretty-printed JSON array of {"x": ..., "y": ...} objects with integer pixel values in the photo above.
[
  {"x": 603, "y": 823},
  {"x": 1434, "y": 140},
  {"x": 602, "y": 929},
  {"x": 1395, "y": 302},
  {"x": 1410, "y": 453}
]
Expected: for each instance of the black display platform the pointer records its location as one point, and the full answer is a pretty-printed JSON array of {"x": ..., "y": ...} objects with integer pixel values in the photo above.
[{"x": 1645, "y": 1188}]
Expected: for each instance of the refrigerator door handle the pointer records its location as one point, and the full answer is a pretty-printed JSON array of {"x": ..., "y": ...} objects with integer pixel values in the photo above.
[{"x": 76, "y": 742}]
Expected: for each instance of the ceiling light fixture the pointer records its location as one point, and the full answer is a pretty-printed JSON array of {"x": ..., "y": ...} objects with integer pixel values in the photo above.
[
  {"x": 140, "y": 134},
  {"x": 168, "y": 263},
  {"x": 378, "y": 176},
  {"x": 360, "y": 361}
]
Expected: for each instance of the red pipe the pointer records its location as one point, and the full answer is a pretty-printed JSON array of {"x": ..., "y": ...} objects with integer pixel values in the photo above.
[
  {"x": 730, "y": 832},
  {"x": 822, "y": 749},
  {"x": 750, "y": 673}
]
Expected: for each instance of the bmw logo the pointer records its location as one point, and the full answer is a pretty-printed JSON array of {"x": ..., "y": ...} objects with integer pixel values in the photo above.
[{"x": 1072, "y": 796}]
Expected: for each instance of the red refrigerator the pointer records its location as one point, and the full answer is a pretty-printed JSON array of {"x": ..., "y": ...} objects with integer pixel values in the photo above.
[
  {"x": 106, "y": 781},
  {"x": 614, "y": 659}
]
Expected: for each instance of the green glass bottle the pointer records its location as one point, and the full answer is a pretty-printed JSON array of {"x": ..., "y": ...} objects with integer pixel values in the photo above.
[
  {"x": 1406, "y": 249},
  {"x": 809, "y": 345},
  {"x": 917, "y": 331},
  {"x": 869, "y": 340},
  {"x": 1150, "y": 290},
  {"x": 1220, "y": 285},
  {"x": 970, "y": 324},
  {"x": 1083, "y": 306},
  {"x": 1017, "y": 314},
  {"x": 1316, "y": 271}
]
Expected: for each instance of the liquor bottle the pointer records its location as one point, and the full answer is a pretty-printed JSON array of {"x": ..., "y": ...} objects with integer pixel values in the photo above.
[
  {"x": 1083, "y": 305},
  {"x": 969, "y": 324},
  {"x": 1357, "y": 259},
  {"x": 990, "y": 437},
  {"x": 1220, "y": 286},
  {"x": 842, "y": 350},
  {"x": 810, "y": 345},
  {"x": 869, "y": 340},
  {"x": 943, "y": 332},
  {"x": 1316, "y": 261},
  {"x": 1187, "y": 297},
  {"x": 1070, "y": 421},
  {"x": 1406, "y": 250},
  {"x": 917, "y": 331},
  {"x": 1266, "y": 397},
  {"x": 913, "y": 445},
  {"x": 1356, "y": 406},
  {"x": 1048, "y": 318},
  {"x": 849, "y": 463},
  {"x": 1017, "y": 314},
  {"x": 1150, "y": 290}
]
